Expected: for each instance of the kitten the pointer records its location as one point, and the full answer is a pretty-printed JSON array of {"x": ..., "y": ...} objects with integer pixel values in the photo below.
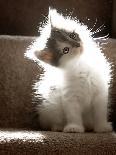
[{"x": 75, "y": 84}]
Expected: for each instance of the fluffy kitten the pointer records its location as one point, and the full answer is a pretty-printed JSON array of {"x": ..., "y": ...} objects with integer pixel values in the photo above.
[{"x": 75, "y": 86}]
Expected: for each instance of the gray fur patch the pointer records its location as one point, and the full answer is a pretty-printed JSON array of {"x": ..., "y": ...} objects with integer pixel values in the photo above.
[{"x": 61, "y": 36}]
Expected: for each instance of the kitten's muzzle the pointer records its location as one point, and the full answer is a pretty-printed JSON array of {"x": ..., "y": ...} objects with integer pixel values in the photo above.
[{"x": 77, "y": 44}]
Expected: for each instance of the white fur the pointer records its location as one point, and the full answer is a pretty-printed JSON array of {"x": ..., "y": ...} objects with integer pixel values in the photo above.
[
  {"x": 79, "y": 100},
  {"x": 75, "y": 93}
]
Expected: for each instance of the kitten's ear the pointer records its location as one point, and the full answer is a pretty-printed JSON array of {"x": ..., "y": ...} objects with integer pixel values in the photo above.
[
  {"x": 55, "y": 19},
  {"x": 51, "y": 16},
  {"x": 45, "y": 55}
]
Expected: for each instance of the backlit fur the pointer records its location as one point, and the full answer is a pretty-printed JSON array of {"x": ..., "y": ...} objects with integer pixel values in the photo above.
[{"x": 75, "y": 85}]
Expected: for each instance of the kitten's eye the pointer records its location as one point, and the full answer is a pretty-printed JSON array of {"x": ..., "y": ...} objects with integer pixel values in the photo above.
[
  {"x": 73, "y": 36},
  {"x": 65, "y": 50}
]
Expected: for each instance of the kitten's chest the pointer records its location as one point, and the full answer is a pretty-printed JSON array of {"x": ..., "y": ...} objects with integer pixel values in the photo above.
[
  {"x": 76, "y": 78},
  {"x": 78, "y": 86},
  {"x": 79, "y": 77}
]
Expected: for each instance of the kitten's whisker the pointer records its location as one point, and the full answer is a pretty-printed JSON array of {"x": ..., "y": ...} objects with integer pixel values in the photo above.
[
  {"x": 94, "y": 25},
  {"x": 103, "y": 37},
  {"x": 99, "y": 29},
  {"x": 45, "y": 16},
  {"x": 71, "y": 13},
  {"x": 102, "y": 26}
]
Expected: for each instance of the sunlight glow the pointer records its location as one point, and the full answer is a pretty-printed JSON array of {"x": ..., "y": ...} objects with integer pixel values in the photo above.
[
  {"x": 53, "y": 77},
  {"x": 22, "y": 135}
]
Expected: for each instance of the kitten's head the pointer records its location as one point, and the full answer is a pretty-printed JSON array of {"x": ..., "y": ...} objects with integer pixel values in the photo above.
[{"x": 61, "y": 40}]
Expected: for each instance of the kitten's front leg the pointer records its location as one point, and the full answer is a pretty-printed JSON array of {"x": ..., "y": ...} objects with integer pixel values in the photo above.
[
  {"x": 100, "y": 114},
  {"x": 73, "y": 114}
]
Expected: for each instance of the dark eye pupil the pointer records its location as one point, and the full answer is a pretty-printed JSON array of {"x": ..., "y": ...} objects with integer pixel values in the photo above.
[
  {"x": 73, "y": 36},
  {"x": 65, "y": 50}
]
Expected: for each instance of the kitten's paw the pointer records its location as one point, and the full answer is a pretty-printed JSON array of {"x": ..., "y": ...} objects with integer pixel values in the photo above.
[
  {"x": 57, "y": 128},
  {"x": 106, "y": 127},
  {"x": 73, "y": 128}
]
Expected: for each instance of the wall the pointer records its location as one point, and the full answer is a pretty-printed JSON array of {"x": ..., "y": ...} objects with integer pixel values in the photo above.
[
  {"x": 21, "y": 17},
  {"x": 114, "y": 19}
]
